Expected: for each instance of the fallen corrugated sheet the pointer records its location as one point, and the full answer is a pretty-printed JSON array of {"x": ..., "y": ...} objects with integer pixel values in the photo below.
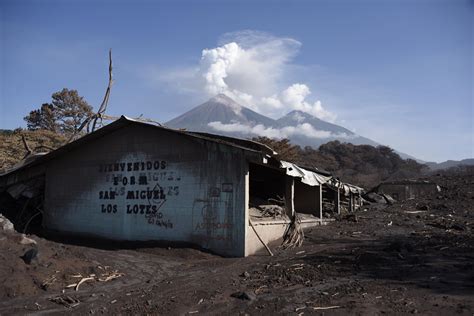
[{"x": 307, "y": 177}]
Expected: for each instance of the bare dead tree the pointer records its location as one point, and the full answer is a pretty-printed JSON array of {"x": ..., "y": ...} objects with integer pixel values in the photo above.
[
  {"x": 27, "y": 148},
  {"x": 48, "y": 148},
  {"x": 95, "y": 120},
  {"x": 105, "y": 101},
  {"x": 100, "y": 113}
]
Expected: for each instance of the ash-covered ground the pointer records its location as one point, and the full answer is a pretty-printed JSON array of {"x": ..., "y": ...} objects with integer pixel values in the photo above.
[{"x": 412, "y": 257}]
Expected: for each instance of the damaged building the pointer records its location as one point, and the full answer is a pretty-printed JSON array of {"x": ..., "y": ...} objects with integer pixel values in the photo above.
[
  {"x": 407, "y": 189},
  {"x": 136, "y": 181}
]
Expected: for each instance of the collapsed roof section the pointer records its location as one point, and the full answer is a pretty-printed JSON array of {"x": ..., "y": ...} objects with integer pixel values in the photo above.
[
  {"x": 307, "y": 177},
  {"x": 314, "y": 178}
]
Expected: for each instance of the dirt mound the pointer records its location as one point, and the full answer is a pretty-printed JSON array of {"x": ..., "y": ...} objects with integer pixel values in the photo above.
[{"x": 30, "y": 265}]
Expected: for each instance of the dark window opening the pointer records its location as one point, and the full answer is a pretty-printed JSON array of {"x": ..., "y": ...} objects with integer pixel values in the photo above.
[
  {"x": 329, "y": 201},
  {"x": 306, "y": 199},
  {"x": 26, "y": 214}
]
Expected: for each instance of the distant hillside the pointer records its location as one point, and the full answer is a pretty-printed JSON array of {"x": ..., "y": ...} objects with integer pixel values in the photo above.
[
  {"x": 295, "y": 118},
  {"x": 362, "y": 165},
  {"x": 6, "y": 131},
  {"x": 450, "y": 164}
]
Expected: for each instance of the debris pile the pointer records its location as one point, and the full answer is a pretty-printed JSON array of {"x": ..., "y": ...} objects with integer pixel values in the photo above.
[
  {"x": 294, "y": 236},
  {"x": 272, "y": 208},
  {"x": 30, "y": 265},
  {"x": 106, "y": 275},
  {"x": 5, "y": 224},
  {"x": 267, "y": 211}
]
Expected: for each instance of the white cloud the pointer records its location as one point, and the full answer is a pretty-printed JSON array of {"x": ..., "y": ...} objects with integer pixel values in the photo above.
[
  {"x": 216, "y": 64},
  {"x": 259, "y": 129},
  {"x": 273, "y": 102},
  {"x": 251, "y": 67},
  {"x": 295, "y": 96},
  {"x": 298, "y": 117},
  {"x": 304, "y": 129}
]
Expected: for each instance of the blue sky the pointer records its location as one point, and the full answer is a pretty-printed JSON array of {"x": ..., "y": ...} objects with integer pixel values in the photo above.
[{"x": 398, "y": 72}]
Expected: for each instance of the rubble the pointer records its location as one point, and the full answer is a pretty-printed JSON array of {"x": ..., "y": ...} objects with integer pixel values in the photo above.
[
  {"x": 249, "y": 296},
  {"x": 5, "y": 224},
  {"x": 30, "y": 255},
  {"x": 390, "y": 200},
  {"x": 268, "y": 211},
  {"x": 375, "y": 198}
]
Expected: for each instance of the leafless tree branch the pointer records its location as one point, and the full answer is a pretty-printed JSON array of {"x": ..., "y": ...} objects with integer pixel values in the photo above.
[
  {"x": 27, "y": 148},
  {"x": 105, "y": 101}
]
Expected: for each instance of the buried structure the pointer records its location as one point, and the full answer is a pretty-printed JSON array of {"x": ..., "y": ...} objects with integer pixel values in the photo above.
[
  {"x": 136, "y": 181},
  {"x": 407, "y": 189}
]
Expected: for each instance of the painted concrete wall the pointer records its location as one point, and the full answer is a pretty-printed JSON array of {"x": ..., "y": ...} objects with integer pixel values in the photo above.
[
  {"x": 142, "y": 183},
  {"x": 269, "y": 232},
  {"x": 272, "y": 232}
]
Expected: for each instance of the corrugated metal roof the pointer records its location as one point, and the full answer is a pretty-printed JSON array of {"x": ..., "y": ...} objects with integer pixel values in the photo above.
[
  {"x": 22, "y": 163},
  {"x": 307, "y": 176},
  {"x": 243, "y": 142},
  {"x": 314, "y": 178}
]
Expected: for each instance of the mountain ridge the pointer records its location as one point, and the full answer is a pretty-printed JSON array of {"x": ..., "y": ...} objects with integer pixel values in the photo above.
[
  {"x": 222, "y": 115},
  {"x": 450, "y": 164},
  {"x": 220, "y": 108}
]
